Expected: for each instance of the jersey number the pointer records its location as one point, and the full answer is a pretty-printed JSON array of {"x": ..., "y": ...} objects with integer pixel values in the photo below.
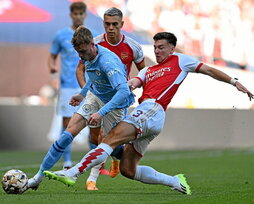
[{"x": 139, "y": 112}]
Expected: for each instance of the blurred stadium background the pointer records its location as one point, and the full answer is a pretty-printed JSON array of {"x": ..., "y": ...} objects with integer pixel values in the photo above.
[{"x": 203, "y": 114}]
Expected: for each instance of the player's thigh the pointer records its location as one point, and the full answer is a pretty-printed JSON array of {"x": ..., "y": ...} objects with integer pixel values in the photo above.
[
  {"x": 121, "y": 134},
  {"x": 76, "y": 124},
  {"x": 149, "y": 119},
  {"x": 111, "y": 119},
  {"x": 129, "y": 161}
]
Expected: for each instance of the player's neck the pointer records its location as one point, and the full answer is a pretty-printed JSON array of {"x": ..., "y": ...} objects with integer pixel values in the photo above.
[
  {"x": 74, "y": 27},
  {"x": 114, "y": 40}
]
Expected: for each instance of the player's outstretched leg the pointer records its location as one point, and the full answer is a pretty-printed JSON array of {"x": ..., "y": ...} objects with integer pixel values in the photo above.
[
  {"x": 54, "y": 154},
  {"x": 149, "y": 175},
  {"x": 91, "y": 159}
]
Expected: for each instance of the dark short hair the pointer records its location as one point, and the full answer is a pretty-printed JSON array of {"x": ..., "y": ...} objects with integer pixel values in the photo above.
[
  {"x": 170, "y": 37},
  {"x": 114, "y": 12},
  {"x": 81, "y": 36},
  {"x": 78, "y": 6}
]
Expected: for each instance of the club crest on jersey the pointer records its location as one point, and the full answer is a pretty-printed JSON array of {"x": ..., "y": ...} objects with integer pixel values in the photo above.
[
  {"x": 124, "y": 55},
  {"x": 98, "y": 73}
]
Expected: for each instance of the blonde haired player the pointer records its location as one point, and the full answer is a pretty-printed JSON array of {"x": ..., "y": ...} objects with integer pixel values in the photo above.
[{"x": 129, "y": 51}]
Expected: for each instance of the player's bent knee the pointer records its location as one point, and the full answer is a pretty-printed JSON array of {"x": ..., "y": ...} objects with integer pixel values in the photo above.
[{"x": 128, "y": 173}]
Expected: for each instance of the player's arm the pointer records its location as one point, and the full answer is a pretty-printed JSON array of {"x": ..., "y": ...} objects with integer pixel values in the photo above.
[
  {"x": 122, "y": 93},
  {"x": 54, "y": 76},
  {"x": 52, "y": 63},
  {"x": 140, "y": 65},
  {"x": 221, "y": 76},
  {"x": 138, "y": 81},
  {"x": 80, "y": 74},
  {"x": 134, "y": 83}
]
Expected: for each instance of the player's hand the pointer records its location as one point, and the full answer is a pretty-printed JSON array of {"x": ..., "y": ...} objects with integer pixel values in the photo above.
[
  {"x": 95, "y": 118},
  {"x": 241, "y": 88},
  {"x": 54, "y": 80},
  {"x": 76, "y": 100},
  {"x": 131, "y": 86}
]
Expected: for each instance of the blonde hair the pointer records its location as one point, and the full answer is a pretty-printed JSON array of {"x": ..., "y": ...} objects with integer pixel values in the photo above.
[{"x": 82, "y": 36}]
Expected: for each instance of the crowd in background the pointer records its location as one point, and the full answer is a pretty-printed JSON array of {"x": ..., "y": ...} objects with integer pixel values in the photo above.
[{"x": 217, "y": 31}]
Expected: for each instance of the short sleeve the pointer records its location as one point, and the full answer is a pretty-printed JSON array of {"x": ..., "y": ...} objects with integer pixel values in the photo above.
[
  {"x": 138, "y": 53},
  {"x": 56, "y": 46},
  {"x": 142, "y": 74},
  {"x": 188, "y": 63}
]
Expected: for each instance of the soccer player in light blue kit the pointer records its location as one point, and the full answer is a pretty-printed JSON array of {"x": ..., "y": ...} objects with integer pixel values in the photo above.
[
  {"x": 69, "y": 61},
  {"x": 107, "y": 81}
]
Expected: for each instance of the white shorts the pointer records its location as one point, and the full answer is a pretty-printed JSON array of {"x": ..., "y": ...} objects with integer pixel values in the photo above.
[
  {"x": 63, "y": 107},
  {"x": 93, "y": 104},
  {"x": 148, "y": 118}
]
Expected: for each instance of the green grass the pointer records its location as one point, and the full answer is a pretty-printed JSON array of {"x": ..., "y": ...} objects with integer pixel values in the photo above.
[{"x": 215, "y": 176}]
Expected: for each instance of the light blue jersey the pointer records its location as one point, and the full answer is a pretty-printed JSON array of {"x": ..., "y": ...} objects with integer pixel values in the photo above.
[
  {"x": 107, "y": 80},
  {"x": 69, "y": 57}
]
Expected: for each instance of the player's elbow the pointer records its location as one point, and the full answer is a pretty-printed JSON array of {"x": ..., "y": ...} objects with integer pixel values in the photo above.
[{"x": 124, "y": 89}]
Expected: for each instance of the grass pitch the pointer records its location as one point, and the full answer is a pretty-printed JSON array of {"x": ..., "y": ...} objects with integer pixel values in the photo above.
[{"x": 216, "y": 176}]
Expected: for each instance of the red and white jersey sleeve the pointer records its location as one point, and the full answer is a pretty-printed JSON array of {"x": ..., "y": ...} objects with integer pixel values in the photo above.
[
  {"x": 161, "y": 81},
  {"x": 138, "y": 54},
  {"x": 128, "y": 50},
  {"x": 142, "y": 75}
]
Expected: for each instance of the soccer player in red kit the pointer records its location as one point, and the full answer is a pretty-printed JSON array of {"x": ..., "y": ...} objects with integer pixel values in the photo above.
[
  {"x": 144, "y": 123},
  {"x": 129, "y": 51}
]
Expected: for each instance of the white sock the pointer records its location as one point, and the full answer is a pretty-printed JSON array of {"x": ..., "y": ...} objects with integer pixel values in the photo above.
[
  {"x": 95, "y": 172},
  {"x": 149, "y": 175},
  {"x": 91, "y": 159},
  {"x": 38, "y": 177},
  {"x": 67, "y": 164}
]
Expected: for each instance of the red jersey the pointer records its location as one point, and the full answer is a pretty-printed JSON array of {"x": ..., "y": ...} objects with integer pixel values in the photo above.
[
  {"x": 161, "y": 81},
  {"x": 128, "y": 50}
]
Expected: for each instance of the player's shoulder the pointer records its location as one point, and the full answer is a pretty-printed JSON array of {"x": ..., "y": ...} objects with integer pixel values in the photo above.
[
  {"x": 131, "y": 42},
  {"x": 98, "y": 39},
  {"x": 184, "y": 57},
  {"x": 107, "y": 56},
  {"x": 63, "y": 32},
  {"x": 105, "y": 53}
]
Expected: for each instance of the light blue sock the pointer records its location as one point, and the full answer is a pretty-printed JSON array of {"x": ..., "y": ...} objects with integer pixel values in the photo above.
[
  {"x": 55, "y": 152},
  {"x": 67, "y": 154}
]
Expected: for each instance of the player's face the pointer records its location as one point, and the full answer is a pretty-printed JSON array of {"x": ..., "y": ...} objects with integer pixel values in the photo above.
[
  {"x": 113, "y": 26},
  {"x": 162, "y": 49},
  {"x": 87, "y": 51},
  {"x": 78, "y": 16}
]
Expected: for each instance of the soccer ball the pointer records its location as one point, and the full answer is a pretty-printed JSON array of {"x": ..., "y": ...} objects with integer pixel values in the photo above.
[{"x": 14, "y": 181}]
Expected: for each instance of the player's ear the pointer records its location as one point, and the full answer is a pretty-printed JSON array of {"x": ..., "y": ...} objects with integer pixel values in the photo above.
[
  {"x": 122, "y": 24},
  {"x": 172, "y": 49}
]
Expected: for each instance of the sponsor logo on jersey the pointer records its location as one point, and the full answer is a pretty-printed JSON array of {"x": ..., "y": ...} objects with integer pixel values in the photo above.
[
  {"x": 112, "y": 72},
  {"x": 156, "y": 74}
]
